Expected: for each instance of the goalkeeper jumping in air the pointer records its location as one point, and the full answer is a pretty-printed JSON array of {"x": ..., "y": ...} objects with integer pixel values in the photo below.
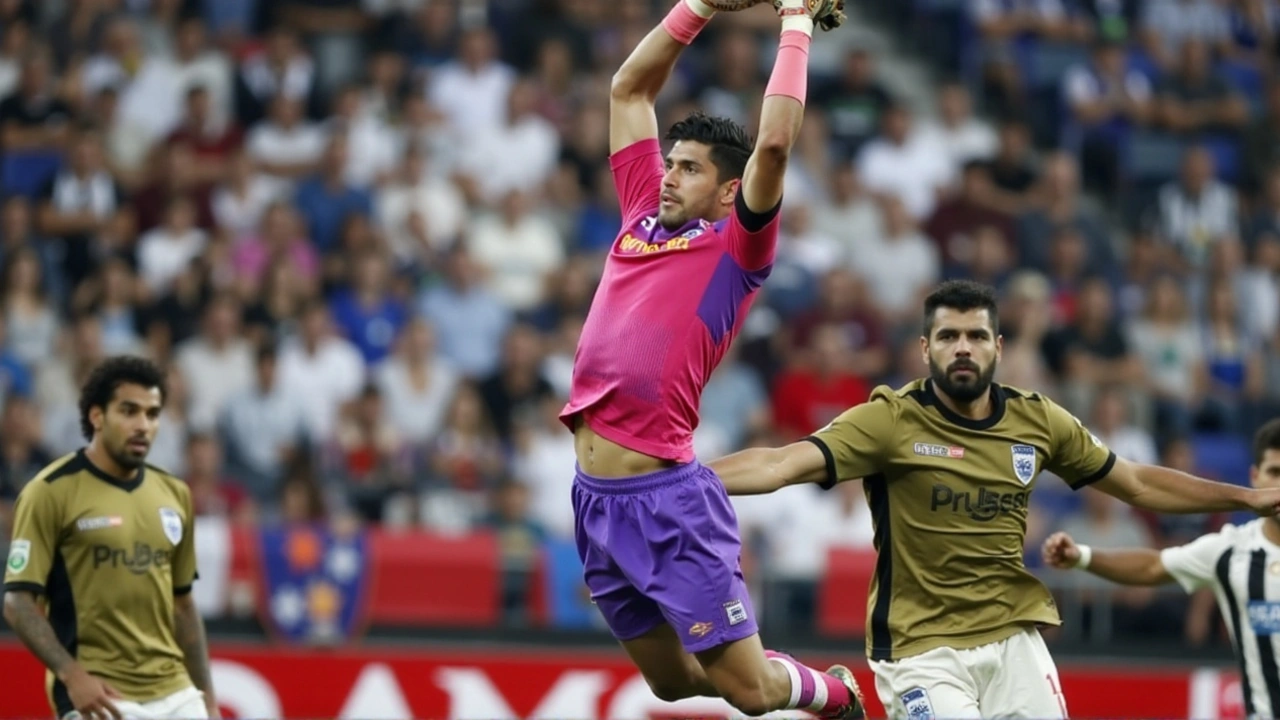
[{"x": 655, "y": 529}]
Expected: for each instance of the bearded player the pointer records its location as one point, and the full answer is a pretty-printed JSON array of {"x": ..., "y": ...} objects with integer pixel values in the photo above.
[{"x": 655, "y": 529}]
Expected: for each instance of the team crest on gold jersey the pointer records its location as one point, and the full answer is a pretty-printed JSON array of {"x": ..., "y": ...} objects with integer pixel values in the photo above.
[
  {"x": 1024, "y": 462},
  {"x": 171, "y": 523}
]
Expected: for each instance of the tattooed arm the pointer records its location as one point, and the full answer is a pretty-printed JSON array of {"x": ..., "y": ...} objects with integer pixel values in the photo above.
[
  {"x": 28, "y": 621},
  {"x": 90, "y": 695},
  {"x": 188, "y": 627}
]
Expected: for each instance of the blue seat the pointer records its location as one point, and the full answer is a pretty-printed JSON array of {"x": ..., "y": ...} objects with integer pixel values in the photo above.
[
  {"x": 1224, "y": 457},
  {"x": 26, "y": 172},
  {"x": 1048, "y": 62},
  {"x": 1226, "y": 156},
  {"x": 1152, "y": 157}
]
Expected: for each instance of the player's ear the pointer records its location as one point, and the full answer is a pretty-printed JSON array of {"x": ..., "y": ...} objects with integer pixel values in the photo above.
[
  {"x": 95, "y": 417},
  {"x": 1253, "y": 476},
  {"x": 924, "y": 350},
  {"x": 999, "y": 346},
  {"x": 729, "y": 190}
]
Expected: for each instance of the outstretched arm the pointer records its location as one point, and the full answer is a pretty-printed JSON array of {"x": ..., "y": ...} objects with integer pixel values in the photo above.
[
  {"x": 1169, "y": 491},
  {"x": 1134, "y": 566},
  {"x": 636, "y": 85},
  {"x": 759, "y": 471}
]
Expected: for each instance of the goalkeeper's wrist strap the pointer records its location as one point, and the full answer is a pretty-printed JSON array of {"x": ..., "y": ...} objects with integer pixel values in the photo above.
[
  {"x": 791, "y": 69},
  {"x": 1086, "y": 556},
  {"x": 687, "y": 19}
]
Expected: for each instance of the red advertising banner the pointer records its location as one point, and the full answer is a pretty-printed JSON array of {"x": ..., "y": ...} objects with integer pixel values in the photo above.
[{"x": 458, "y": 684}]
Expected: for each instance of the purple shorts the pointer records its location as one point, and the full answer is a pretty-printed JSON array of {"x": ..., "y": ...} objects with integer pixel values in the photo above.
[{"x": 664, "y": 547}]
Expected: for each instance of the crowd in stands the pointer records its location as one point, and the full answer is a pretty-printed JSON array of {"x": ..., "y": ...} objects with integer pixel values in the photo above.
[{"x": 362, "y": 235}]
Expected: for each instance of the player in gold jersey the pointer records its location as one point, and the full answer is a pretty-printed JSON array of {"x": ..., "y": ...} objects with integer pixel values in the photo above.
[
  {"x": 948, "y": 465},
  {"x": 104, "y": 543}
]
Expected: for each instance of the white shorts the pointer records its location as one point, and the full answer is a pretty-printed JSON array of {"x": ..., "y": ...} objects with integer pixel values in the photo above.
[
  {"x": 1014, "y": 678},
  {"x": 185, "y": 704}
]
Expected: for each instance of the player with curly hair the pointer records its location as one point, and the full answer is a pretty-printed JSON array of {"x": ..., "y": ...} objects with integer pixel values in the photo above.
[{"x": 104, "y": 541}]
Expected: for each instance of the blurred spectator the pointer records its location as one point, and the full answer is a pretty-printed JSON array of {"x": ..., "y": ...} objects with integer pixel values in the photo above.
[
  {"x": 421, "y": 213},
  {"x": 543, "y": 449},
  {"x": 35, "y": 118},
  {"x": 1060, "y": 204},
  {"x": 844, "y": 301},
  {"x": 369, "y": 313},
  {"x": 1091, "y": 349},
  {"x": 320, "y": 369},
  {"x": 1006, "y": 26},
  {"x": 30, "y": 319},
  {"x": 1107, "y": 98},
  {"x": 517, "y": 248},
  {"x": 164, "y": 251},
  {"x": 264, "y": 428},
  {"x": 113, "y": 296},
  {"x": 212, "y": 494},
  {"x": 965, "y": 137},
  {"x": 150, "y": 86},
  {"x": 523, "y": 133},
  {"x": 79, "y": 202},
  {"x": 279, "y": 70},
  {"x": 854, "y": 104},
  {"x": 469, "y": 320},
  {"x": 217, "y": 363},
  {"x": 327, "y": 200},
  {"x": 1168, "y": 25},
  {"x": 807, "y": 246},
  {"x": 735, "y": 405},
  {"x": 956, "y": 222},
  {"x": 242, "y": 199},
  {"x": 368, "y": 456},
  {"x": 371, "y": 144},
  {"x": 280, "y": 239},
  {"x": 417, "y": 385},
  {"x": 285, "y": 144},
  {"x": 1194, "y": 99},
  {"x": 473, "y": 90},
  {"x": 467, "y": 455},
  {"x": 1196, "y": 210},
  {"x": 1026, "y": 319},
  {"x": 212, "y": 138},
  {"x": 1012, "y": 172},
  {"x": 1260, "y": 150},
  {"x": 518, "y": 388},
  {"x": 818, "y": 386},
  {"x": 906, "y": 163},
  {"x": 899, "y": 265},
  {"x": 850, "y": 213},
  {"x": 1110, "y": 422},
  {"x": 520, "y": 541},
  {"x": 1233, "y": 362},
  {"x": 1172, "y": 353},
  {"x": 22, "y": 455}
]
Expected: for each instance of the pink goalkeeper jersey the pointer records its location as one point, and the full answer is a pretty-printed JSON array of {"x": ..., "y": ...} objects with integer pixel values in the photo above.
[{"x": 669, "y": 304}]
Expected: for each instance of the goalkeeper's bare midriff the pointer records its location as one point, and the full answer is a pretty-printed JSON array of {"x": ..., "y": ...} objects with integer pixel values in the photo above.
[{"x": 603, "y": 458}]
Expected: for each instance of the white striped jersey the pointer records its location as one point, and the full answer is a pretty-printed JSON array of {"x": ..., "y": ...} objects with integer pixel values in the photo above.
[{"x": 1243, "y": 568}]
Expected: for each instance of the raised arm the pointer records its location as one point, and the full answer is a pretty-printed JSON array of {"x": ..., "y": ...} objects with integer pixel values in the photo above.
[
  {"x": 634, "y": 91},
  {"x": 784, "y": 98}
]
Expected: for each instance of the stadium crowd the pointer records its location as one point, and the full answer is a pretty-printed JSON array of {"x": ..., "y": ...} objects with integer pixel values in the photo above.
[{"x": 362, "y": 236}]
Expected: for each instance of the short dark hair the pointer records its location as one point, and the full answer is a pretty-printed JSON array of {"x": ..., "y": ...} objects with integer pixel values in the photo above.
[
  {"x": 1267, "y": 438},
  {"x": 108, "y": 376},
  {"x": 730, "y": 145},
  {"x": 962, "y": 295}
]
